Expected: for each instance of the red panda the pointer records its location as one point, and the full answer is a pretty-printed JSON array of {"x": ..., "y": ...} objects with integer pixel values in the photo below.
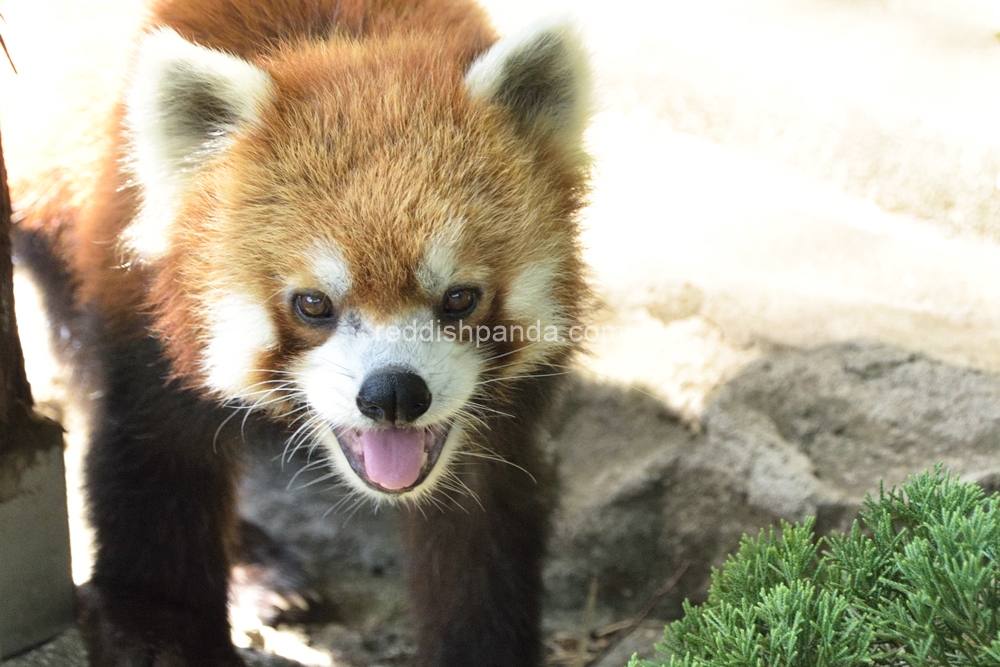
[{"x": 357, "y": 219}]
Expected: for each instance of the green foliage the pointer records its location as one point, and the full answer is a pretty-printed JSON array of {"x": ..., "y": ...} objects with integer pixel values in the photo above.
[{"x": 916, "y": 583}]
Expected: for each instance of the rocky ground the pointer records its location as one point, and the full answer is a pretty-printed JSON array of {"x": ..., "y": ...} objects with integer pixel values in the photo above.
[
  {"x": 645, "y": 498},
  {"x": 794, "y": 226}
]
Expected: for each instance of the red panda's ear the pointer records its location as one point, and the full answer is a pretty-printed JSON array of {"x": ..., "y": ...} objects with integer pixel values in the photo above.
[
  {"x": 542, "y": 76},
  {"x": 183, "y": 104},
  {"x": 184, "y": 100}
]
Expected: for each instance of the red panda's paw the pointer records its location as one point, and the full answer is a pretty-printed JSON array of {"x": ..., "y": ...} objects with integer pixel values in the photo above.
[
  {"x": 126, "y": 632},
  {"x": 269, "y": 581}
]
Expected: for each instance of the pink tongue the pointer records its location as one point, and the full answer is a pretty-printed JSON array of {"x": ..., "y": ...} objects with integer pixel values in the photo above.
[{"x": 393, "y": 457}]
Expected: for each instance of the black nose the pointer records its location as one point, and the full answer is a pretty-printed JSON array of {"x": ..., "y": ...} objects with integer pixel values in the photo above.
[{"x": 394, "y": 395}]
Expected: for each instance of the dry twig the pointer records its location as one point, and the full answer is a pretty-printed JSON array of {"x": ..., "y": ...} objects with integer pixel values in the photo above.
[
  {"x": 5, "y": 51},
  {"x": 624, "y": 628}
]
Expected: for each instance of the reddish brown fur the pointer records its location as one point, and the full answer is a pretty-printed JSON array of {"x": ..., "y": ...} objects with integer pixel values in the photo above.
[
  {"x": 405, "y": 188},
  {"x": 374, "y": 145},
  {"x": 517, "y": 197},
  {"x": 246, "y": 28}
]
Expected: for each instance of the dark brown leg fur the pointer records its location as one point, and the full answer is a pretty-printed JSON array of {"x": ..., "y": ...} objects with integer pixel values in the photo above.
[
  {"x": 160, "y": 483},
  {"x": 475, "y": 565}
]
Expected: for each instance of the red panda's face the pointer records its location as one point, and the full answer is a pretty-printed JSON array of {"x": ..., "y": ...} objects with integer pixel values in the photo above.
[{"x": 366, "y": 242}]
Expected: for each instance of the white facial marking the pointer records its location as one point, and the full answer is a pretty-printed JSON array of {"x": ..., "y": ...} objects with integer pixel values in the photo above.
[
  {"x": 240, "y": 329},
  {"x": 331, "y": 375},
  {"x": 531, "y": 301},
  {"x": 437, "y": 270},
  {"x": 172, "y": 83},
  {"x": 331, "y": 270},
  {"x": 439, "y": 267},
  {"x": 530, "y": 296}
]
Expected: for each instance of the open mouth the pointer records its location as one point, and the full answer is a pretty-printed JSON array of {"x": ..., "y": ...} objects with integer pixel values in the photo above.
[{"x": 393, "y": 460}]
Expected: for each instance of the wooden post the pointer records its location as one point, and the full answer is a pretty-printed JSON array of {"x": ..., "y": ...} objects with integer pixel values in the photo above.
[{"x": 36, "y": 586}]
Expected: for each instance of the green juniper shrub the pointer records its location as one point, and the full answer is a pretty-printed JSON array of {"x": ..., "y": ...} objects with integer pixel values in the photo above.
[{"x": 916, "y": 583}]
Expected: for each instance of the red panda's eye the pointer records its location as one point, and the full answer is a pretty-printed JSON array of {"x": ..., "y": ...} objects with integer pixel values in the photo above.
[
  {"x": 313, "y": 307},
  {"x": 460, "y": 301}
]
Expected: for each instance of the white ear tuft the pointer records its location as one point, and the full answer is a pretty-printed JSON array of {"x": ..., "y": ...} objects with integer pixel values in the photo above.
[
  {"x": 184, "y": 103},
  {"x": 542, "y": 76}
]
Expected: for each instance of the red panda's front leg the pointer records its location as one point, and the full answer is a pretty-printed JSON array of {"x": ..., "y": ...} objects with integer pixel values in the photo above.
[
  {"x": 162, "y": 502},
  {"x": 475, "y": 564}
]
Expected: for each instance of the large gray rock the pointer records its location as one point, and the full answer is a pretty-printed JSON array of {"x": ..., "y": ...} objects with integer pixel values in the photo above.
[
  {"x": 863, "y": 412},
  {"x": 796, "y": 434}
]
